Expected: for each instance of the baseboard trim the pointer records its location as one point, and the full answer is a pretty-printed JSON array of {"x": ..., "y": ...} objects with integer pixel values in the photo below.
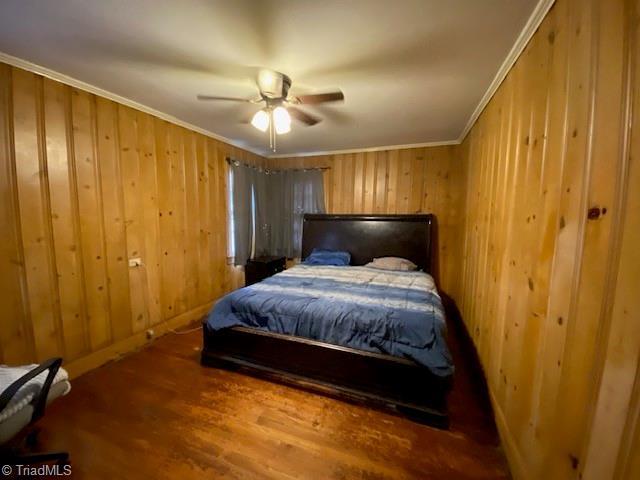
[{"x": 134, "y": 342}]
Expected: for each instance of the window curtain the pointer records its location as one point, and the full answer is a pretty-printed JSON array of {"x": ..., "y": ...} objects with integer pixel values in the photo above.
[
  {"x": 268, "y": 208},
  {"x": 292, "y": 194},
  {"x": 241, "y": 180}
]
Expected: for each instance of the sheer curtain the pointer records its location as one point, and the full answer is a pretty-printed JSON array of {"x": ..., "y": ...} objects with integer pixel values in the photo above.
[
  {"x": 267, "y": 210},
  {"x": 292, "y": 194},
  {"x": 241, "y": 184}
]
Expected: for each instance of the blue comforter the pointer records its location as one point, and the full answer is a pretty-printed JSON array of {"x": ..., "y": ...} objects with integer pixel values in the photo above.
[{"x": 391, "y": 312}]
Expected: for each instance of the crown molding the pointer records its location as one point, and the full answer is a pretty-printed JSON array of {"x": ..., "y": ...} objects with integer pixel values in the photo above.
[
  {"x": 535, "y": 19},
  {"x": 73, "y": 82},
  {"x": 368, "y": 149}
]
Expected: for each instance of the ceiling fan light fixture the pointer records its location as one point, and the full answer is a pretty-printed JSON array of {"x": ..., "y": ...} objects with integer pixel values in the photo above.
[
  {"x": 270, "y": 83},
  {"x": 261, "y": 120},
  {"x": 281, "y": 120}
]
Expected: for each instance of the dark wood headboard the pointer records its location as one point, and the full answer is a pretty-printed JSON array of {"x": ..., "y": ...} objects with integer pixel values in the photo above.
[{"x": 369, "y": 236}]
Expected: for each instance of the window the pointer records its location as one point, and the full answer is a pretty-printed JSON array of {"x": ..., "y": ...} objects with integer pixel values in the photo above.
[{"x": 266, "y": 210}]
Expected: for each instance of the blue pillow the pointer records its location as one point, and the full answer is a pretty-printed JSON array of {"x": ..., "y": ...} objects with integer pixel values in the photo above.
[{"x": 328, "y": 257}]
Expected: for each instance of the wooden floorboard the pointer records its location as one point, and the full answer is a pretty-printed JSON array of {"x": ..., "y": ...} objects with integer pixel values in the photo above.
[{"x": 158, "y": 414}]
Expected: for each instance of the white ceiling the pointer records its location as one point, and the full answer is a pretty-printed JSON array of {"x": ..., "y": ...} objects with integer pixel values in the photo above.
[{"x": 412, "y": 71}]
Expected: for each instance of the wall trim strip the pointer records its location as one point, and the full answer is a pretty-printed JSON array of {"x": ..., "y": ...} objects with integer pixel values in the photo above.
[{"x": 368, "y": 149}]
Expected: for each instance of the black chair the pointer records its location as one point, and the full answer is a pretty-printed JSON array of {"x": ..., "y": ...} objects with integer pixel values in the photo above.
[{"x": 25, "y": 414}]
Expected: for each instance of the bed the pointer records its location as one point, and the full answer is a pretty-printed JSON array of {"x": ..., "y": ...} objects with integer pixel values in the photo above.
[{"x": 355, "y": 332}]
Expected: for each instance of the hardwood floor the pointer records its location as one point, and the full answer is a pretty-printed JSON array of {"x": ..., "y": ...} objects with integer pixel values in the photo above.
[{"x": 158, "y": 414}]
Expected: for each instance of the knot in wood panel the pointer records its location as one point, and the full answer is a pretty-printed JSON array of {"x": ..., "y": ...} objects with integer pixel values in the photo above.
[{"x": 593, "y": 213}]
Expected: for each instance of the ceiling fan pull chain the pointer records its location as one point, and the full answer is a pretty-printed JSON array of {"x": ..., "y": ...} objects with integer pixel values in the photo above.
[{"x": 272, "y": 134}]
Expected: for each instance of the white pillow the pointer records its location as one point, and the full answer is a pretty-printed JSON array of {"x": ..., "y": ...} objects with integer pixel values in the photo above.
[{"x": 393, "y": 263}]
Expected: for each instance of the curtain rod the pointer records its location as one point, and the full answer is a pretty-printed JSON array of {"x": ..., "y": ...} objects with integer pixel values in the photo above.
[{"x": 231, "y": 161}]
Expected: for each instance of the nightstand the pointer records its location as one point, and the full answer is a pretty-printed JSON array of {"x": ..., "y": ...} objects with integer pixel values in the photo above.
[{"x": 259, "y": 268}]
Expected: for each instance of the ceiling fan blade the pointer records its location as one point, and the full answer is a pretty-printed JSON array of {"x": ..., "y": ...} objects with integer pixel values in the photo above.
[
  {"x": 231, "y": 99},
  {"x": 319, "y": 98},
  {"x": 303, "y": 116}
]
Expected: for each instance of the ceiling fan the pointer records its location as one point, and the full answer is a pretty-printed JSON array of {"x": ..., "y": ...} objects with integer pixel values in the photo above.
[{"x": 279, "y": 105}]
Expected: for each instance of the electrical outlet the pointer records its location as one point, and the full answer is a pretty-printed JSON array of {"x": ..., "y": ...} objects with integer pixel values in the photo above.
[{"x": 135, "y": 262}]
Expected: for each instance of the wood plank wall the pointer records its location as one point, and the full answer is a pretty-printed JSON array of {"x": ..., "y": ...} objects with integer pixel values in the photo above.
[
  {"x": 538, "y": 211},
  {"x": 85, "y": 184},
  {"x": 415, "y": 180},
  {"x": 551, "y": 268}
]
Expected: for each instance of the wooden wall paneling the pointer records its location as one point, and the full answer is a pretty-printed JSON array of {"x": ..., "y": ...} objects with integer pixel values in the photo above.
[
  {"x": 150, "y": 272},
  {"x": 348, "y": 171},
  {"x": 369, "y": 182},
  {"x": 517, "y": 272},
  {"x": 392, "y": 183},
  {"x": 64, "y": 217},
  {"x": 603, "y": 188},
  {"x": 487, "y": 218},
  {"x": 167, "y": 239},
  {"x": 521, "y": 400},
  {"x": 459, "y": 245},
  {"x": 380, "y": 190},
  {"x": 132, "y": 190},
  {"x": 418, "y": 172},
  {"x": 328, "y": 180},
  {"x": 617, "y": 350},
  {"x": 449, "y": 250},
  {"x": 464, "y": 154},
  {"x": 85, "y": 184},
  {"x": 484, "y": 195},
  {"x": 16, "y": 334},
  {"x": 540, "y": 257},
  {"x": 450, "y": 201},
  {"x": 575, "y": 388},
  {"x": 338, "y": 182},
  {"x": 551, "y": 221},
  {"x": 471, "y": 230},
  {"x": 428, "y": 178},
  {"x": 179, "y": 215},
  {"x": 628, "y": 466},
  {"x": 30, "y": 165},
  {"x": 543, "y": 227},
  {"x": 496, "y": 247},
  {"x": 92, "y": 240},
  {"x": 192, "y": 220},
  {"x": 215, "y": 194},
  {"x": 204, "y": 221},
  {"x": 404, "y": 191},
  {"x": 113, "y": 219},
  {"x": 426, "y": 168},
  {"x": 358, "y": 182},
  {"x": 485, "y": 215}
]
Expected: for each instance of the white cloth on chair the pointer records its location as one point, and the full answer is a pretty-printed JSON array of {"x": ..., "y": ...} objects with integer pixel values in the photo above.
[{"x": 27, "y": 393}]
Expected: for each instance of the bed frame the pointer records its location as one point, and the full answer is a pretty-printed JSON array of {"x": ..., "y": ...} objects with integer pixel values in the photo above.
[{"x": 347, "y": 373}]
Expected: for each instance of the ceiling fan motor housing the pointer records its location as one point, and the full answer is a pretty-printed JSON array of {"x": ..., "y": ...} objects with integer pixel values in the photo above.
[{"x": 273, "y": 85}]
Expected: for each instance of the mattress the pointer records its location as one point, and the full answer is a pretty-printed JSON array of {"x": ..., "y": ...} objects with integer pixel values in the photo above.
[{"x": 391, "y": 312}]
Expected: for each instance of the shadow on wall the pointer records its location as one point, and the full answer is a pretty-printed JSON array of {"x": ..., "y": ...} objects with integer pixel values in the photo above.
[
  {"x": 465, "y": 355},
  {"x": 469, "y": 404}
]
